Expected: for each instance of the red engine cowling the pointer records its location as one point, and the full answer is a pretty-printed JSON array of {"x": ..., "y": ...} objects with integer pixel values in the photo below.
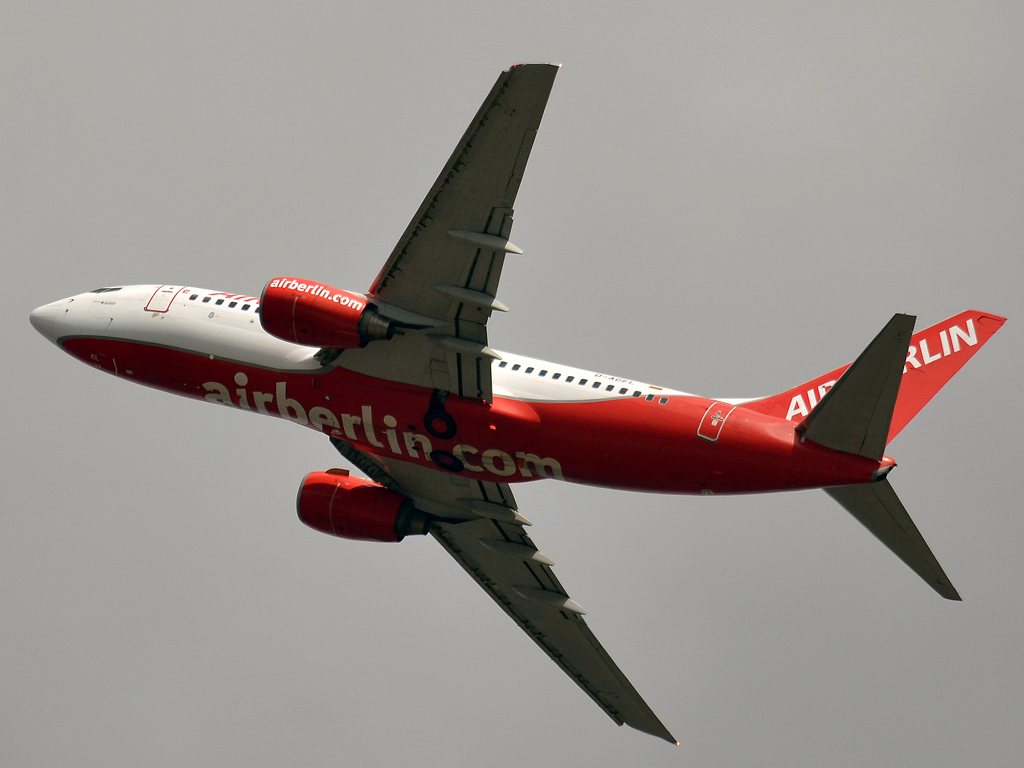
[
  {"x": 318, "y": 315},
  {"x": 353, "y": 508}
]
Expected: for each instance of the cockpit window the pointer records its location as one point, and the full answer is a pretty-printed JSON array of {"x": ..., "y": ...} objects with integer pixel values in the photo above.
[{"x": 107, "y": 290}]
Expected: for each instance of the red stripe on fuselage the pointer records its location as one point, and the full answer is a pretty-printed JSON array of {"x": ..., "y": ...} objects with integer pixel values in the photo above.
[{"x": 628, "y": 443}]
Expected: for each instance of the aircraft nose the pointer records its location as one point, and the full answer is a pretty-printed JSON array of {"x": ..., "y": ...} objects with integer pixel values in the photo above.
[{"x": 43, "y": 320}]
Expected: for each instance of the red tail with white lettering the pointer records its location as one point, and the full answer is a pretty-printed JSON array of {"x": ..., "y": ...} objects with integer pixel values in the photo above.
[{"x": 935, "y": 355}]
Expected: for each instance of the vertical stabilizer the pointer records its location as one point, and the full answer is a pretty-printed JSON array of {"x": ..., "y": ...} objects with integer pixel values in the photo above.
[{"x": 933, "y": 358}]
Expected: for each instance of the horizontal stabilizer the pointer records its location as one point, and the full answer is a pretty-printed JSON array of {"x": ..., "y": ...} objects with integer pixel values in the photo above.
[
  {"x": 854, "y": 415},
  {"x": 878, "y": 507}
]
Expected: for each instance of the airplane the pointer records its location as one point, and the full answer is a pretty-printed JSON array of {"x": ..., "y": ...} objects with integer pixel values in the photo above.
[{"x": 402, "y": 381}]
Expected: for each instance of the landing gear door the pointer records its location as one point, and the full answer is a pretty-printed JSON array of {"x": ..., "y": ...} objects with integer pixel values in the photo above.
[{"x": 714, "y": 419}]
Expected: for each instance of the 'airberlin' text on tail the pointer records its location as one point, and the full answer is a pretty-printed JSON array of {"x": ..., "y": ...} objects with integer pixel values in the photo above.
[{"x": 934, "y": 356}]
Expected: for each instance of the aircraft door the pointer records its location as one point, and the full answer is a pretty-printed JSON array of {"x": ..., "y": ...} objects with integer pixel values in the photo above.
[{"x": 162, "y": 298}]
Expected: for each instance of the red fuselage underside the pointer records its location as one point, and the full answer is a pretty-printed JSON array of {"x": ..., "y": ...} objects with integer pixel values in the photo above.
[{"x": 627, "y": 443}]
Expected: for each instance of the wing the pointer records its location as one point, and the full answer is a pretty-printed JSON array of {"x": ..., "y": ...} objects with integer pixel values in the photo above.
[
  {"x": 442, "y": 276},
  {"x": 505, "y": 562},
  {"x": 485, "y": 535}
]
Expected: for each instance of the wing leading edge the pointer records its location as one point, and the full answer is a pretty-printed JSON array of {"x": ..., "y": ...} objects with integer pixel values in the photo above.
[{"x": 503, "y": 560}]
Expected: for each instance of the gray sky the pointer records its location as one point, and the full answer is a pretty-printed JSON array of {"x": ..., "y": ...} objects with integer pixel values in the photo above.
[{"x": 724, "y": 198}]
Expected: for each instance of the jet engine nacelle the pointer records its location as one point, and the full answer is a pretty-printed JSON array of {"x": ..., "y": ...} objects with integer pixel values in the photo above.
[
  {"x": 318, "y": 315},
  {"x": 353, "y": 508}
]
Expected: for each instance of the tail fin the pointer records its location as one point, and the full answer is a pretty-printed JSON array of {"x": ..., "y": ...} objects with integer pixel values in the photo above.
[
  {"x": 933, "y": 357},
  {"x": 877, "y": 506},
  {"x": 855, "y": 416},
  {"x": 860, "y": 407}
]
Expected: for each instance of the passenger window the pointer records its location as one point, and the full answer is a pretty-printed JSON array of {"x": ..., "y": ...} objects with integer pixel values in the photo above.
[
  {"x": 245, "y": 307},
  {"x": 219, "y": 302},
  {"x": 503, "y": 363},
  {"x": 556, "y": 375},
  {"x": 623, "y": 391},
  {"x": 649, "y": 398},
  {"x": 232, "y": 305},
  {"x": 582, "y": 382},
  {"x": 257, "y": 310},
  {"x": 597, "y": 385},
  {"x": 529, "y": 370},
  {"x": 543, "y": 373},
  {"x": 206, "y": 299},
  {"x": 193, "y": 297},
  {"x": 568, "y": 379},
  {"x": 637, "y": 393},
  {"x": 516, "y": 367},
  {"x": 609, "y": 388},
  {"x": 662, "y": 401}
]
